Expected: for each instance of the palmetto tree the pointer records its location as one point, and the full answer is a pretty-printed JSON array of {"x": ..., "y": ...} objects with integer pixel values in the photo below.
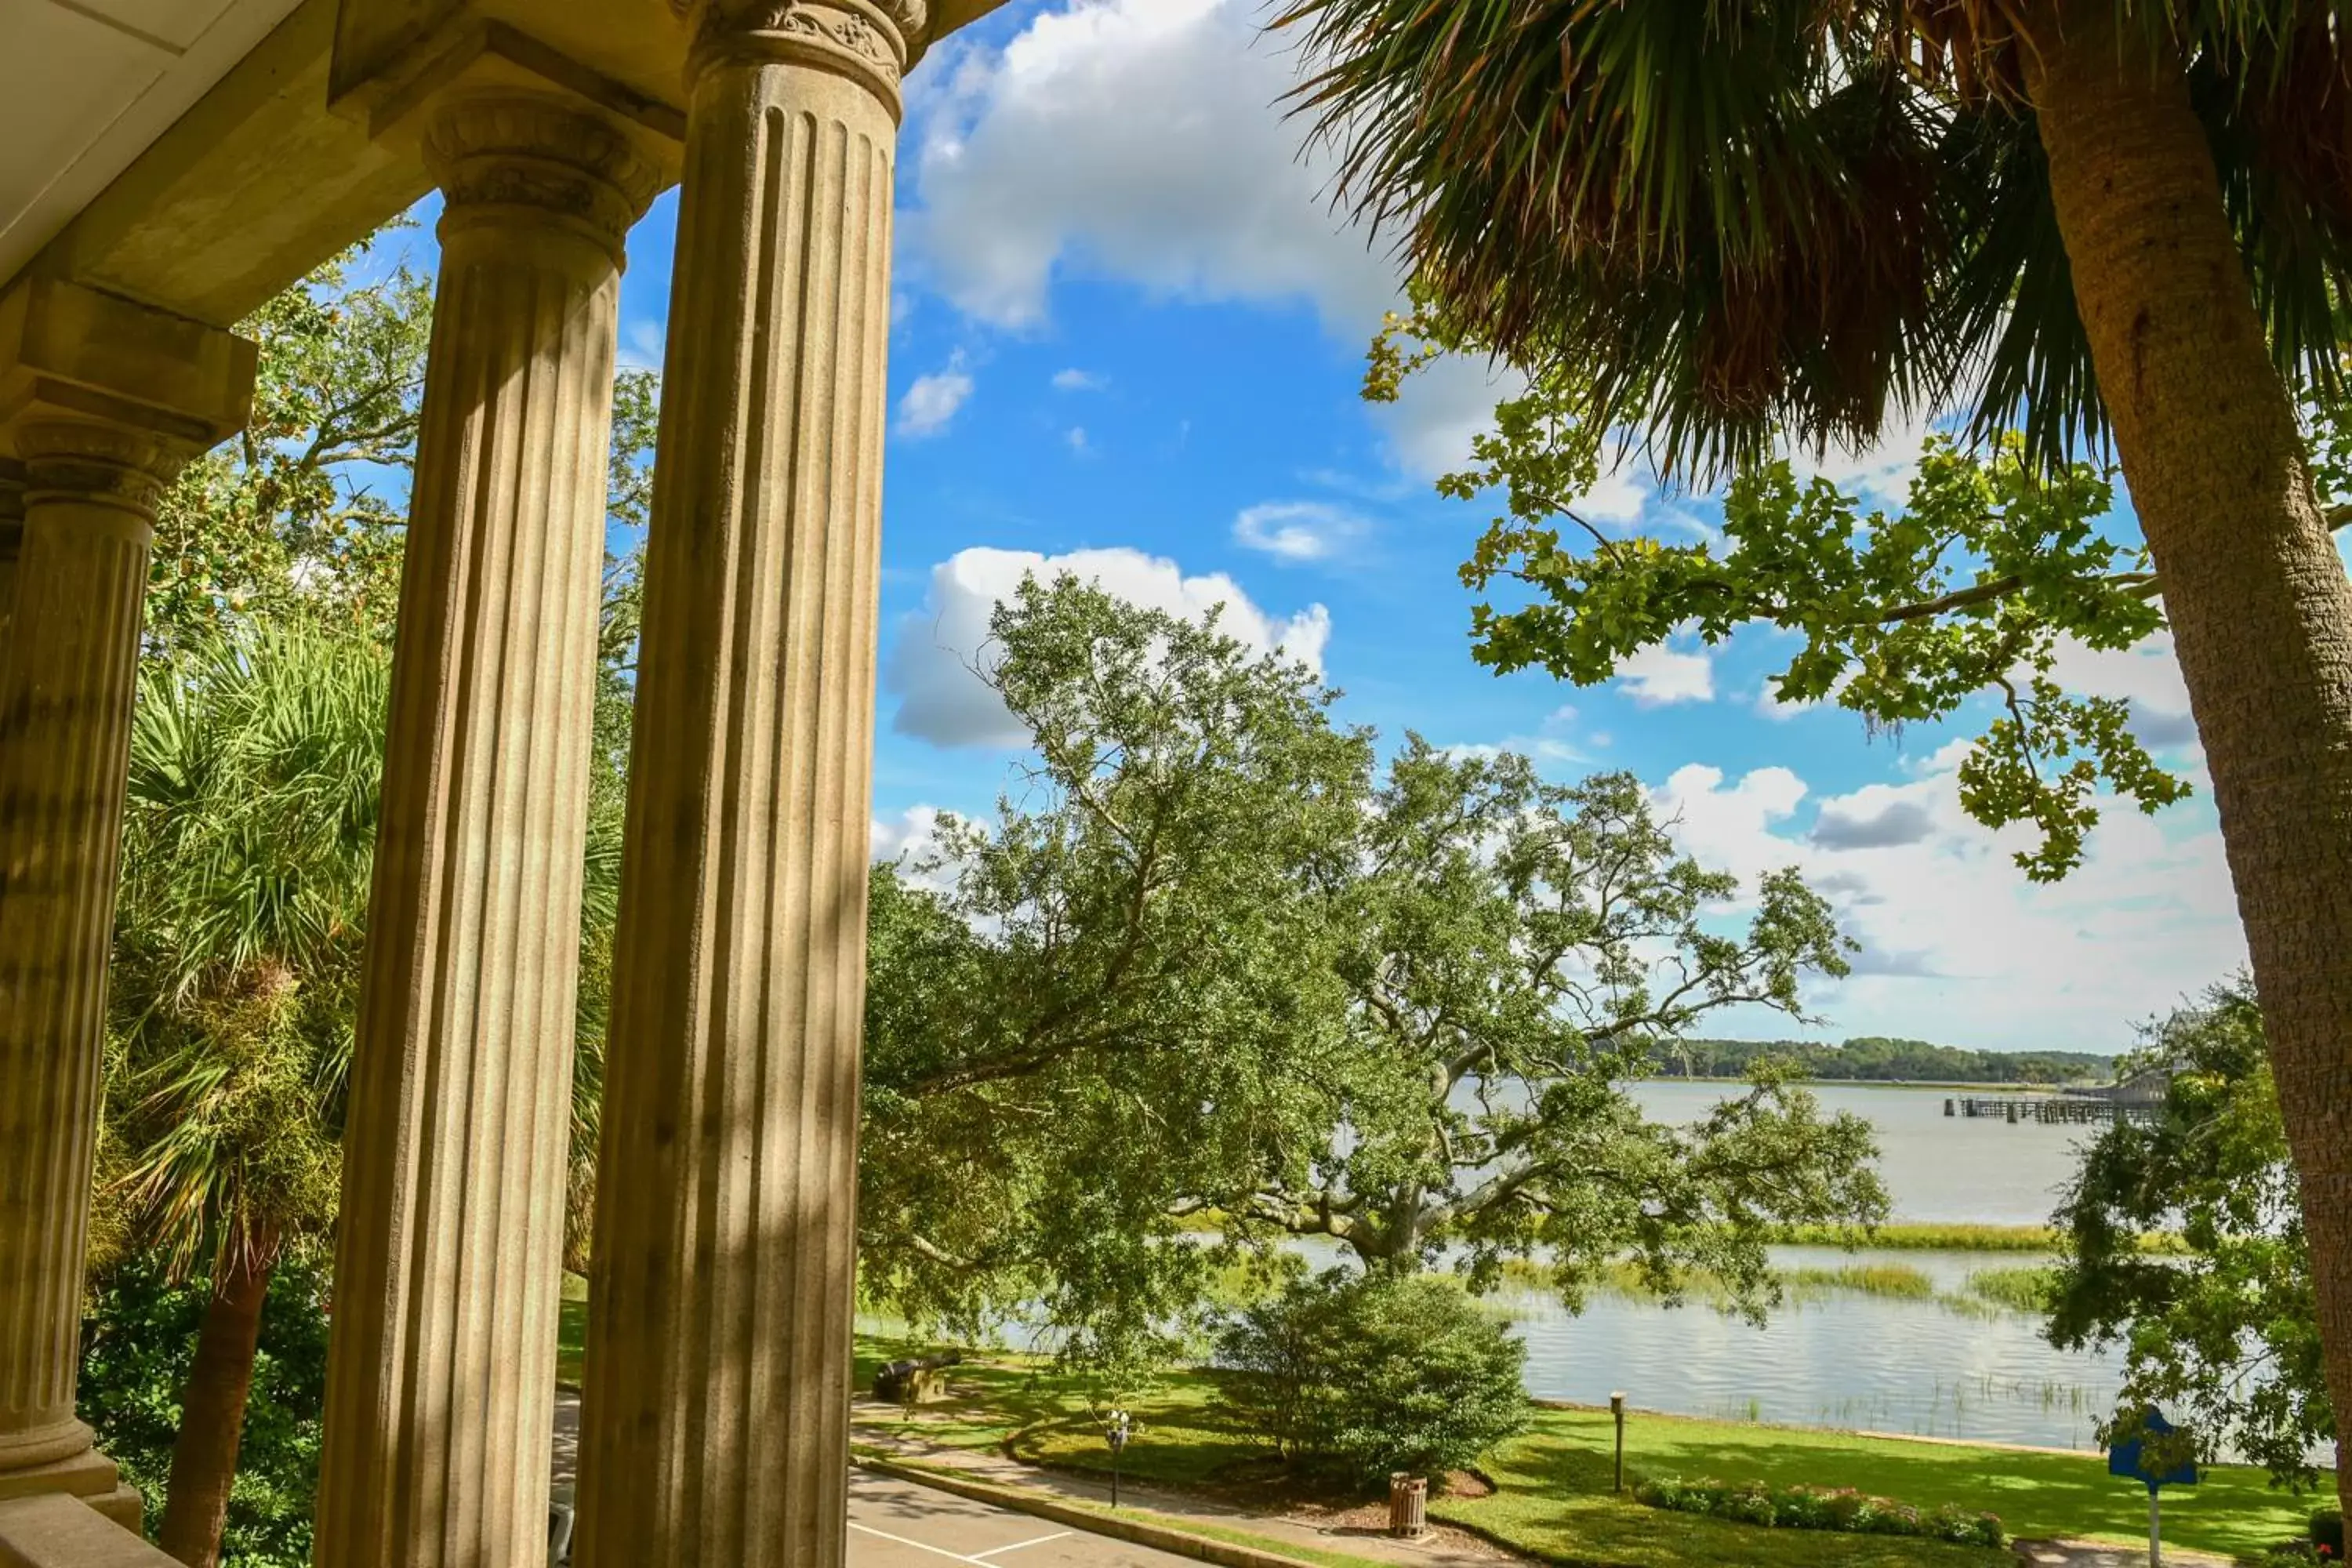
[
  {"x": 256, "y": 763},
  {"x": 2097, "y": 221}
]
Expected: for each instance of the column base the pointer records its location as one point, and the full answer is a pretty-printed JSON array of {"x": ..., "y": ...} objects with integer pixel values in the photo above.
[
  {"x": 89, "y": 1475},
  {"x": 124, "y": 1506},
  {"x": 54, "y": 1532}
]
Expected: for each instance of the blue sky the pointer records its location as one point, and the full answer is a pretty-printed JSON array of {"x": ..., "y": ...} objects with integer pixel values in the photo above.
[{"x": 1128, "y": 328}]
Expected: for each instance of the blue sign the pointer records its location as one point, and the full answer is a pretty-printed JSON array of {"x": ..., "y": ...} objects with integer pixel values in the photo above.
[{"x": 2124, "y": 1458}]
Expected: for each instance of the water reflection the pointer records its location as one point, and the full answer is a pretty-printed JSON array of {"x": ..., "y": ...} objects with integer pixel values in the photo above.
[
  {"x": 1939, "y": 1170},
  {"x": 1871, "y": 1363},
  {"x": 1927, "y": 1368},
  {"x": 1843, "y": 1359}
]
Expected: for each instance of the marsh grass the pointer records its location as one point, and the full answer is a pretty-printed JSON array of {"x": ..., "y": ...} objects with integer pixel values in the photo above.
[
  {"x": 1898, "y": 1281},
  {"x": 1909, "y": 1238},
  {"x": 2017, "y": 1289}
]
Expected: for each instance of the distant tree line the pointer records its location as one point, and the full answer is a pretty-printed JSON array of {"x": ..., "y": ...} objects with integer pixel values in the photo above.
[{"x": 1874, "y": 1059}]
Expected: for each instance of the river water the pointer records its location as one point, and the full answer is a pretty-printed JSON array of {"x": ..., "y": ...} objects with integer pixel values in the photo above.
[
  {"x": 1845, "y": 1359},
  {"x": 1841, "y": 1358}
]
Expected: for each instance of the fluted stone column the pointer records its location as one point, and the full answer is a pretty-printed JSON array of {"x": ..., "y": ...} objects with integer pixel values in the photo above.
[
  {"x": 67, "y": 680},
  {"x": 12, "y": 540},
  {"x": 715, "y": 1422},
  {"x": 449, "y": 1264}
]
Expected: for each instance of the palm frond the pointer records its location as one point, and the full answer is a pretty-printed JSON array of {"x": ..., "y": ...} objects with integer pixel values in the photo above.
[
  {"x": 1743, "y": 220},
  {"x": 249, "y": 833}
]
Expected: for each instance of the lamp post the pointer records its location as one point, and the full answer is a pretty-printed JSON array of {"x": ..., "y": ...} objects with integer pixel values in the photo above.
[
  {"x": 1617, "y": 1410},
  {"x": 1115, "y": 1433}
]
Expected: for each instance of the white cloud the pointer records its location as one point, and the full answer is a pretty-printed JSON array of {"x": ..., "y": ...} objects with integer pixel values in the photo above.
[
  {"x": 1298, "y": 531},
  {"x": 932, "y": 402},
  {"x": 1146, "y": 140},
  {"x": 932, "y": 666},
  {"x": 1768, "y": 704},
  {"x": 1077, "y": 380},
  {"x": 1141, "y": 140},
  {"x": 1876, "y": 817},
  {"x": 1615, "y": 497},
  {"x": 1552, "y": 742},
  {"x": 1879, "y": 474},
  {"x": 911, "y": 840},
  {"x": 1659, "y": 675},
  {"x": 1077, "y": 438},
  {"x": 2147, "y": 674},
  {"x": 643, "y": 345},
  {"x": 913, "y": 833},
  {"x": 1952, "y": 932},
  {"x": 1441, "y": 409}
]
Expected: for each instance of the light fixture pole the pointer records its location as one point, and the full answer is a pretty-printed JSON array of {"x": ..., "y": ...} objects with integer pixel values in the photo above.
[
  {"x": 1117, "y": 1433},
  {"x": 1617, "y": 1410}
]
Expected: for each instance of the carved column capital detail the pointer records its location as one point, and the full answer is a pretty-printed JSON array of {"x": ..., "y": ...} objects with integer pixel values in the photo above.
[
  {"x": 89, "y": 462},
  {"x": 519, "y": 150},
  {"x": 873, "y": 40}
]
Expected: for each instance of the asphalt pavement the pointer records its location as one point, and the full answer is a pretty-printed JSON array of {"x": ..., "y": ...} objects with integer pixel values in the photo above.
[{"x": 899, "y": 1524}]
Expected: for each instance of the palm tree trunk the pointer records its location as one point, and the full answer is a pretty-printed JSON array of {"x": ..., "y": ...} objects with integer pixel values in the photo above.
[
  {"x": 2260, "y": 606},
  {"x": 212, "y": 1413}
]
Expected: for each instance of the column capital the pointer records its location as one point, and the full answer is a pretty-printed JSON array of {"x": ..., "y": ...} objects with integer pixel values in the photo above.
[
  {"x": 98, "y": 460},
  {"x": 500, "y": 153},
  {"x": 872, "y": 41}
]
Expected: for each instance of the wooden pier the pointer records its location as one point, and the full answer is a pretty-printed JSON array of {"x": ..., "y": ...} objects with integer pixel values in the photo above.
[{"x": 2093, "y": 1109}]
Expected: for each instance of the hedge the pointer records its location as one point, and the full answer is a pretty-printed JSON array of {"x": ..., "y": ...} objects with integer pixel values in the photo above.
[{"x": 1820, "y": 1508}]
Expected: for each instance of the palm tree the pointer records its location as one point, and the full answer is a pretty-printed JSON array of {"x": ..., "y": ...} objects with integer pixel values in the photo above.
[
  {"x": 256, "y": 762},
  {"x": 256, "y": 774},
  {"x": 2099, "y": 221}
]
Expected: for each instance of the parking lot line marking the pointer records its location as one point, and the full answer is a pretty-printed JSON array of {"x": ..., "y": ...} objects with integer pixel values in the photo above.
[
  {"x": 1040, "y": 1541},
  {"x": 920, "y": 1545}
]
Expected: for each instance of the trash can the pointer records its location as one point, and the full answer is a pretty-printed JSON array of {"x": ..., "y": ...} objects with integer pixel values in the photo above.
[{"x": 1408, "y": 1506}]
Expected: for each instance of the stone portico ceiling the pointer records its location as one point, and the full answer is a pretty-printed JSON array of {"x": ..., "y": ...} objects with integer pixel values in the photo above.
[
  {"x": 200, "y": 156},
  {"x": 86, "y": 85}
]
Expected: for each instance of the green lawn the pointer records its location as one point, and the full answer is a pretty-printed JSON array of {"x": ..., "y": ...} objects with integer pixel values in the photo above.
[
  {"x": 572, "y": 1331},
  {"x": 1183, "y": 1442},
  {"x": 1553, "y": 1498},
  {"x": 1554, "y": 1481}
]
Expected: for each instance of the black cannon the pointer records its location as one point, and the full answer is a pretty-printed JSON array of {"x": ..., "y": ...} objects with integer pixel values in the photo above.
[{"x": 902, "y": 1381}]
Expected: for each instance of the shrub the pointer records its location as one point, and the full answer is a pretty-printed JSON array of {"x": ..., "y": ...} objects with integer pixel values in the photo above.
[
  {"x": 2327, "y": 1529},
  {"x": 139, "y": 1336},
  {"x": 1816, "y": 1508},
  {"x": 1365, "y": 1374}
]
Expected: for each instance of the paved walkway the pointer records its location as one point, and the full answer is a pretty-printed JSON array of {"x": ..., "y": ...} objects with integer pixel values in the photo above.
[
  {"x": 1442, "y": 1548},
  {"x": 2091, "y": 1554},
  {"x": 894, "y": 1523},
  {"x": 899, "y": 1524}
]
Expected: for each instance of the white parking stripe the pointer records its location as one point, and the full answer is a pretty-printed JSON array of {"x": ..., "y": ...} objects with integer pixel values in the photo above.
[
  {"x": 920, "y": 1545},
  {"x": 1040, "y": 1541}
]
